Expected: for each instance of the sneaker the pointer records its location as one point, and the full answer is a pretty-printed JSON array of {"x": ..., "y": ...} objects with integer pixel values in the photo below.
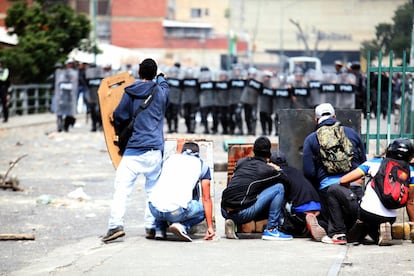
[
  {"x": 161, "y": 234},
  {"x": 150, "y": 233},
  {"x": 412, "y": 231},
  {"x": 179, "y": 230},
  {"x": 357, "y": 233},
  {"x": 314, "y": 228},
  {"x": 385, "y": 237},
  {"x": 275, "y": 235},
  {"x": 326, "y": 239},
  {"x": 229, "y": 229},
  {"x": 336, "y": 239},
  {"x": 113, "y": 234}
]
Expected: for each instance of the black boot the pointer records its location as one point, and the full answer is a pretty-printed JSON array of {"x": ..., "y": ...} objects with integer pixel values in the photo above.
[
  {"x": 59, "y": 123},
  {"x": 69, "y": 121}
]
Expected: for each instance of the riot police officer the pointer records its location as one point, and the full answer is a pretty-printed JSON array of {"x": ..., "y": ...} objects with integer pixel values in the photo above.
[
  {"x": 220, "y": 108},
  {"x": 266, "y": 104},
  {"x": 66, "y": 95},
  {"x": 206, "y": 90},
  {"x": 236, "y": 86},
  {"x": 249, "y": 99},
  {"x": 93, "y": 76},
  {"x": 282, "y": 98},
  {"x": 190, "y": 99},
  {"x": 174, "y": 80}
]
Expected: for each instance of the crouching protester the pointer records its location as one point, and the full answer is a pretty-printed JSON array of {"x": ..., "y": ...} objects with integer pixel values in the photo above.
[
  {"x": 172, "y": 201},
  {"x": 302, "y": 204},
  {"x": 351, "y": 219},
  {"x": 255, "y": 192}
]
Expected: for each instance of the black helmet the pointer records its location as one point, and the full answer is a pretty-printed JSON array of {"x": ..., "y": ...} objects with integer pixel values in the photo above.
[{"x": 401, "y": 149}]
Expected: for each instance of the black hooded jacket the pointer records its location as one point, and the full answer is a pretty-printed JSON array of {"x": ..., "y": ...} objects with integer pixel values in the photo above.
[{"x": 251, "y": 176}]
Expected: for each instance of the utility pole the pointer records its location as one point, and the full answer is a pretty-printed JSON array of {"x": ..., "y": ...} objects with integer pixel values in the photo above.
[
  {"x": 411, "y": 118},
  {"x": 92, "y": 13},
  {"x": 412, "y": 37}
]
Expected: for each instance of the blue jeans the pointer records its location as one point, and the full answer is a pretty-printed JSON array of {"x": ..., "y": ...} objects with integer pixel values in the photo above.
[
  {"x": 149, "y": 164},
  {"x": 269, "y": 200},
  {"x": 192, "y": 215}
]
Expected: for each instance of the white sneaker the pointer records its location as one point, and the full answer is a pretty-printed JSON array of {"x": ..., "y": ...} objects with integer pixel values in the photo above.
[
  {"x": 179, "y": 230},
  {"x": 229, "y": 229},
  {"x": 385, "y": 237},
  {"x": 314, "y": 228},
  {"x": 326, "y": 239},
  {"x": 336, "y": 239}
]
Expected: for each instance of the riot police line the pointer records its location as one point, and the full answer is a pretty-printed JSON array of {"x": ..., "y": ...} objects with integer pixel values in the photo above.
[
  {"x": 238, "y": 98},
  {"x": 226, "y": 102}
]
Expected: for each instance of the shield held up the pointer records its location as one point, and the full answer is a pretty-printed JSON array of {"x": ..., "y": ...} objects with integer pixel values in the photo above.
[{"x": 110, "y": 93}]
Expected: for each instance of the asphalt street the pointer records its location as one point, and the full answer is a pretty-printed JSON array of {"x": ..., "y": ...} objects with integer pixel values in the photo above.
[{"x": 67, "y": 183}]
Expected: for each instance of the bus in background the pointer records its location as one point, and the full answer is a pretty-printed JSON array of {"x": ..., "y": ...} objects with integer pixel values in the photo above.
[{"x": 305, "y": 63}]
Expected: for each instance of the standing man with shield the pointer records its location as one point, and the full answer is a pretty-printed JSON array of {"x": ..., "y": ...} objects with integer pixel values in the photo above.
[{"x": 143, "y": 154}]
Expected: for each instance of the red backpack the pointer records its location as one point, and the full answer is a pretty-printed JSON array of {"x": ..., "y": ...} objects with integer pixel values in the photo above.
[{"x": 391, "y": 183}]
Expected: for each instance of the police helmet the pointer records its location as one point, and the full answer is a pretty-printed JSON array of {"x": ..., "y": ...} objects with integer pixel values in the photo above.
[{"x": 401, "y": 149}]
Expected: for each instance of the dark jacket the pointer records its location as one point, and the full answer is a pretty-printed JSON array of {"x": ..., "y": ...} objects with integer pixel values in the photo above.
[
  {"x": 312, "y": 164},
  {"x": 298, "y": 190},
  {"x": 149, "y": 124},
  {"x": 251, "y": 176}
]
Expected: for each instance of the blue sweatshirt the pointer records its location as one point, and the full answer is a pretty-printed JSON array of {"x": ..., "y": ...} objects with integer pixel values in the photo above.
[{"x": 148, "y": 131}]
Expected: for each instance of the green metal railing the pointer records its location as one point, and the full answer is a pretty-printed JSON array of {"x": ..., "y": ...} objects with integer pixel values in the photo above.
[
  {"x": 406, "y": 108},
  {"x": 30, "y": 99}
]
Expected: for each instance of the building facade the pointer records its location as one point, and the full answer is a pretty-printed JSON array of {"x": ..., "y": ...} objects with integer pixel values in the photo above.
[{"x": 204, "y": 32}]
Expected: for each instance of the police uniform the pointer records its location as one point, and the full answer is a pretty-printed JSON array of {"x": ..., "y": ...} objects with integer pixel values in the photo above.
[
  {"x": 266, "y": 105},
  {"x": 190, "y": 100},
  {"x": 66, "y": 94},
  {"x": 93, "y": 76},
  {"x": 174, "y": 80},
  {"x": 220, "y": 108},
  {"x": 206, "y": 90},
  {"x": 249, "y": 99},
  {"x": 282, "y": 99},
  {"x": 236, "y": 86}
]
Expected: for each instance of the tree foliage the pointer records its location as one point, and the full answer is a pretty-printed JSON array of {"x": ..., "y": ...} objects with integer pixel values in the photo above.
[
  {"x": 395, "y": 37},
  {"x": 47, "y": 33}
]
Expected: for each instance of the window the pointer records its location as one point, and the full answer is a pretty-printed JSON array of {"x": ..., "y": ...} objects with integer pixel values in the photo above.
[{"x": 195, "y": 13}]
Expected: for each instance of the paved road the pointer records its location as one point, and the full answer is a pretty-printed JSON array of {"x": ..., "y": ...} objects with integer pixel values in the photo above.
[{"x": 67, "y": 230}]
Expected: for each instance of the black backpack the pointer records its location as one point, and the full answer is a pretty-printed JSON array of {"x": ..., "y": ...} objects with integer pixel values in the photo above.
[{"x": 391, "y": 183}]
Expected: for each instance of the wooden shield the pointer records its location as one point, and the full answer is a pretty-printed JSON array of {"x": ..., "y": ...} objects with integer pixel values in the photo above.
[{"x": 110, "y": 93}]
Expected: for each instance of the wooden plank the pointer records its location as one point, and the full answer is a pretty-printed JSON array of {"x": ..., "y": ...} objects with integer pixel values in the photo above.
[{"x": 5, "y": 237}]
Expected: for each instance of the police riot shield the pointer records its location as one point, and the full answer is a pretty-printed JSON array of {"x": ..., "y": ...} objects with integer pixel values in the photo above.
[
  {"x": 301, "y": 95},
  {"x": 174, "y": 96},
  {"x": 221, "y": 89},
  {"x": 314, "y": 79},
  {"x": 236, "y": 87},
  {"x": 190, "y": 92},
  {"x": 328, "y": 89},
  {"x": 94, "y": 77},
  {"x": 346, "y": 91},
  {"x": 206, "y": 89},
  {"x": 251, "y": 92},
  {"x": 66, "y": 91}
]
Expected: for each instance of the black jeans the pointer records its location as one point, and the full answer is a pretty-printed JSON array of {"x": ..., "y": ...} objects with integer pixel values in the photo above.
[
  {"x": 3, "y": 99},
  {"x": 343, "y": 206},
  {"x": 372, "y": 222}
]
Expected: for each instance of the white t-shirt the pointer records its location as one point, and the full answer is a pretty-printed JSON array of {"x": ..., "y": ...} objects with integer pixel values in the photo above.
[
  {"x": 370, "y": 201},
  {"x": 174, "y": 188}
]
